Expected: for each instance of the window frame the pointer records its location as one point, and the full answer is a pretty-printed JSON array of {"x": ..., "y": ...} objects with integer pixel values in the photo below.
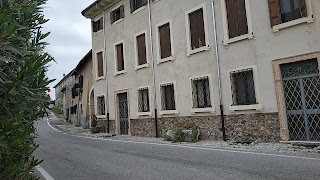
[
  {"x": 138, "y": 9},
  {"x": 308, "y": 20},
  {"x": 206, "y": 109},
  {"x": 226, "y": 39},
  {"x": 100, "y": 116},
  {"x": 116, "y": 72},
  {"x": 258, "y": 105},
  {"x": 97, "y": 78},
  {"x": 172, "y": 57},
  {"x": 148, "y": 113},
  {"x": 146, "y": 65},
  {"x": 169, "y": 112},
  {"x": 94, "y": 21},
  {"x": 114, "y": 9},
  {"x": 206, "y": 32}
]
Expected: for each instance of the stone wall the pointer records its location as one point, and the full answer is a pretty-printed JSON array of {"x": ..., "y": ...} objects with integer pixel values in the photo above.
[
  {"x": 240, "y": 127},
  {"x": 104, "y": 122}
]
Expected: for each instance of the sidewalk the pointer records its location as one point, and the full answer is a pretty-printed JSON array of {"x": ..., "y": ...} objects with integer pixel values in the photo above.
[{"x": 282, "y": 148}]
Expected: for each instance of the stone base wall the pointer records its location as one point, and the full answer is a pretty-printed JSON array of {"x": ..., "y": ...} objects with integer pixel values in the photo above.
[
  {"x": 104, "y": 122},
  {"x": 242, "y": 127}
]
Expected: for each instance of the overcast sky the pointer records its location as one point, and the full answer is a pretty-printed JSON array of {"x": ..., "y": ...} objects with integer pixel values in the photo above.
[{"x": 70, "y": 37}]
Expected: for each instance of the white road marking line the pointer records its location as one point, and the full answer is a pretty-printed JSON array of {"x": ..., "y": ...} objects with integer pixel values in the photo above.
[
  {"x": 52, "y": 126},
  {"x": 44, "y": 173},
  {"x": 195, "y": 147}
]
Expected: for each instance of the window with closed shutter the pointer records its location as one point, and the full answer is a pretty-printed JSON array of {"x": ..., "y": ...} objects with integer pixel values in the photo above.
[
  {"x": 117, "y": 14},
  {"x": 197, "y": 29},
  {"x": 120, "y": 57},
  {"x": 282, "y": 11},
  {"x": 99, "y": 64},
  {"x": 237, "y": 17},
  {"x": 136, "y": 4},
  {"x": 141, "y": 49},
  {"x": 97, "y": 25},
  {"x": 165, "y": 41}
]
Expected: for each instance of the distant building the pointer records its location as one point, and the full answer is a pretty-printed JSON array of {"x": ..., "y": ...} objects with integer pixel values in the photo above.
[
  {"x": 82, "y": 96},
  {"x": 63, "y": 93},
  {"x": 266, "y": 85}
]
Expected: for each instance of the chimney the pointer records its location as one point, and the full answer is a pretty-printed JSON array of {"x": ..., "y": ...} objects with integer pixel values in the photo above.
[{"x": 64, "y": 75}]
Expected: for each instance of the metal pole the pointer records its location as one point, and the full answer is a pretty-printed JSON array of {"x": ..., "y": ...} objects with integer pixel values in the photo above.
[
  {"x": 106, "y": 72},
  {"x": 217, "y": 61},
  {"x": 153, "y": 72}
]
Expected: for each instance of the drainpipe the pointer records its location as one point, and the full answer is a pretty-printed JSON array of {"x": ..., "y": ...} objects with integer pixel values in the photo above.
[
  {"x": 153, "y": 71},
  {"x": 106, "y": 74},
  {"x": 217, "y": 61}
]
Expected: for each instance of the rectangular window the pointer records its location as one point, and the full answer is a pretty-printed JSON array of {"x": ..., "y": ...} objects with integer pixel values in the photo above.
[
  {"x": 242, "y": 85},
  {"x": 120, "y": 57},
  {"x": 100, "y": 64},
  {"x": 143, "y": 100},
  {"x": 197, "y": 32},
  {"x": 201, "y": 92},
  {"x": 167, "y": 97},
  {"x": 97, "y": 25},
  {"x": 237, "y": 17},
  {"x": 141, "y": 49},
  {"x": 101, "y": 106},
  {"x": 282, "y": 11},
  {"x": 136, "y": 4},
  {"x": 117, "y": 14},
  {"x": 165, "y": 41}
]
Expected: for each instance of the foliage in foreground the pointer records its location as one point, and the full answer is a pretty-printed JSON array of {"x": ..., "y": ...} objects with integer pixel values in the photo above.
[
  {"x": 179, "y": 136},
  {"x": 23, "y": 82}
]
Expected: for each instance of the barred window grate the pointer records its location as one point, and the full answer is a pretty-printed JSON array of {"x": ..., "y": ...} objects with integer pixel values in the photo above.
[
  {"x": 242, "y": 85},
  {"x": 143, "y": 101},
  {"x": 167, "y": 97},
  {"x": 101, "y": 106},
  {"x": 201, "y": 92}
]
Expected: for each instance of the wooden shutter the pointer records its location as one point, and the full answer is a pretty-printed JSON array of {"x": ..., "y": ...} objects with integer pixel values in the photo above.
[
  {"x": 100, "y": 64},
  {"x": 112, "y": 17},
  {"x": 231, "y": 8},
  {"x": 242, "y": 17},
  {"x": 132, "y": 2},
  {"x": 121, "y": 11},
  {"x": 141, "y": 47},
  {"x": 193, "y": 30},
  {"x": 100, "y": 23},
  {"x": 303, "y": 8},
  {"x": 165, "y": 41},
  {"x": 94, "y": 26},
  {"x": 120, "y": 59},
  {"x": 201, "y": 33},
  {"x": 274, "y": 11}
]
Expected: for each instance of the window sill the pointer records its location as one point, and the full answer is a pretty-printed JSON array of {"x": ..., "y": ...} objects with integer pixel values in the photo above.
[
  {"x": 238, "y": 38},
  {"x": 100, "y": 78},
  {"x": 120, "y": 72},
  {"x": 139, "y": 9},
  {"x": 144, "y": 113},
  {"x": 203, "y": 110},
  {"x": 101, "y": 116},
  {"x": 117, "y": 21},
  {"x": 194, "y": 51},
  {"x": 142, "y": 66},
  {"x": 98, "y": 32},
  {"x": 170, "y": 58},
  {"x": 309, "y": 20},
  {"x": 165, "y": 112},
  {"x": 257, "y": 107}
]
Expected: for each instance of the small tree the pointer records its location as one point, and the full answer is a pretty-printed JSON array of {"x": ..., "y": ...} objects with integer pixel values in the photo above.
[{"x": 23, "y": 80}]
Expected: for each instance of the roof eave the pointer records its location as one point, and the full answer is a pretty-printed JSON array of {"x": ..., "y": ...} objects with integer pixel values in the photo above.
[{"x": 95, "y": 7}]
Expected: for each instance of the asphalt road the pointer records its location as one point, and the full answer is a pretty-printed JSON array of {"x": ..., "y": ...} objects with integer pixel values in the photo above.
[{"x": 68, "y": 157}]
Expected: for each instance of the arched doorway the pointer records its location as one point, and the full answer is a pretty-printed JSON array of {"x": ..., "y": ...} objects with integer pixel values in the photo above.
[{"x": 91, "y": 105}]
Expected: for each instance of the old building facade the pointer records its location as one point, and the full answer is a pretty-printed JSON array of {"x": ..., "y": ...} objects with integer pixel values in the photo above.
[
  {"x": 253, "y": 77},
  {"x": 81, "y": 109}
]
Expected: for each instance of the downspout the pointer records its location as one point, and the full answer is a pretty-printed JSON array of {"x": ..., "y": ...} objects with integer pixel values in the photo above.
[
  {"x": 106, "y": 72},
  {"x": 153, "y": 71},
  {"x": 217, "y": 61}
]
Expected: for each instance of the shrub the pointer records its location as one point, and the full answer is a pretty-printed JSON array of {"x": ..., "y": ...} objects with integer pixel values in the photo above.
[{"x": 23, "y": 82}]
